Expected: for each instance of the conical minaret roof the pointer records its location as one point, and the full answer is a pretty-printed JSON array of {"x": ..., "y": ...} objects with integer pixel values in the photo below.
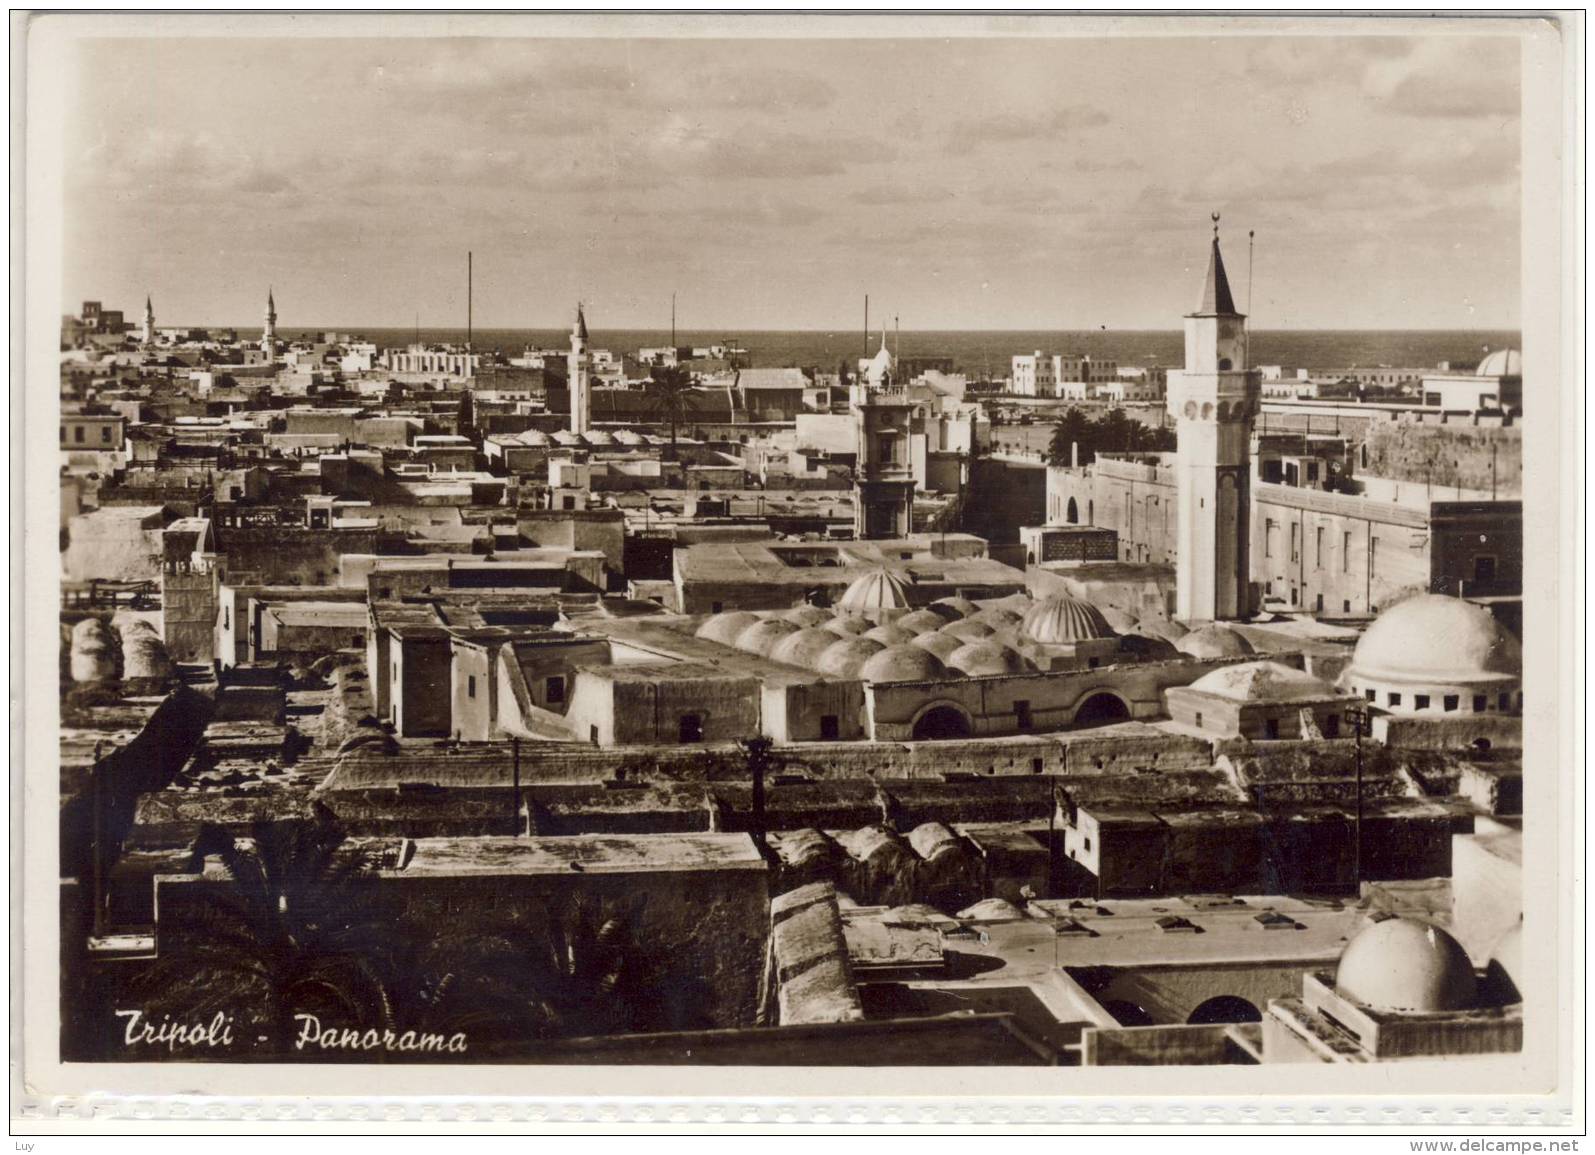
[
  {"x": 1216, "y": 296},
  {"x": 581, "y": 323}
]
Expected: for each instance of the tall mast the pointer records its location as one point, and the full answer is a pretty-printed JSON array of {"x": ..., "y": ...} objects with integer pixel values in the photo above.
[
  {"x": 468, "y": 301},
  {"x": 866, "y": 326}
]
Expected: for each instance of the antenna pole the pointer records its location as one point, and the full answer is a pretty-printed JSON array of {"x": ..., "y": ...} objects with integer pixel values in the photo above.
[
  {"x": 1251, "y": 236},
  {"x": 897, "y": 335},
  {"x": 672, "y": 320},
  {"x": 469, "y": 286},
  {"x": 866, "y": 326}
]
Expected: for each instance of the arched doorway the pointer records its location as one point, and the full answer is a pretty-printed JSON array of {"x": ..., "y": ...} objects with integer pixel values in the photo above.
[
  {"x": 941, "y": 722},
  {"x": 1225, "y": 1009},
  {"x": 1129, "y": 1014},
  {"x": 1101, "y": 710},
  {"x": 1074, "y": 512}
]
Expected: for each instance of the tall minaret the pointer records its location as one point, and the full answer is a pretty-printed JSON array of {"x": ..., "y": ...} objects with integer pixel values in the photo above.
[
  {"x": 268, "y": 339},
  {"x": 578, "y": 369},
  {"x": 149, "y": 321},
  {"x": 1214, "y": 400}
]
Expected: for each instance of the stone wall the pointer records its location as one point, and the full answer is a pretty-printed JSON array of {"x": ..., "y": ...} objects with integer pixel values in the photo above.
[{"x": 1456, "y": 454}]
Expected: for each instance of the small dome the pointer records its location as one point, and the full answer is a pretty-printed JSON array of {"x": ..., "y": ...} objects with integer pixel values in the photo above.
[
  {"x": 806, "y": 616},
  {"x": 848, "y": 625},
  {"x": 932, "y": 839},
  {"x": 954, "y": 608},
  {"x": 804, "y": 647},
  {"x": 566, "y": 437},
  {"x": 1062, "y": 621},
  {"x": 144, "y": 656},
  {"x": 90, "y": 628},
  {"x": 1164, "y": 628},
  {"x": 992, "y": 910},
  {"x": 903, "y": 663},
  {"x": 846, "y": 656},
  {"x": 599, "y": 437},
  {"x": 968, "y": 629},
  {"x": 879, "y": 590},
  {"x": 1262, "y": 682},
  {"x": 92, "y": 665},
  {"x": 997, "y": 617},
  {"x": 806, "y": 847},
  {"x": 984, "y": 659},
  {"x": 1503, "y": 983},
  {"x": 760, "y": 637},
  {"x": 724, "y": 628},
  {"x": 1501, "y": 363},
  {"x": 1118, "y": 621},
  {"x": 1401, "y": 964},
  {"x": 1214, "y": 642},
  {"x": 941, "y": 643},
  {"x": 890, "y": 634},
  {"x": 535, "y": 437},
  {"x": 920, "y": 621},
  {"x": 1434, "y": 638}
]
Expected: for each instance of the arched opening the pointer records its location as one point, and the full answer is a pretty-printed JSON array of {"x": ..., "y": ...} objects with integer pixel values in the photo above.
[
  {"x": 940, "y": 722},
  {"x": 1129, "y": 1014},
  {"x": 1101, "y": 710},
  {"x": 1074, "y": 513},
  {"x": 1225, "y": 1009},
  {"x": 1091, "y": 511},
  {"x": 1224, "y": 364}
]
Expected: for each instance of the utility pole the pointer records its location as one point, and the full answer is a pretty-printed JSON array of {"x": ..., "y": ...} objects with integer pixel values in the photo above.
[
  {"x": 672, "y": 322},
  {"x": 515, "y": 754},
  {"x": 469, "y": 289},
  {"x": 1358, "y": 717},
  {"x": 866, "y": 326}
]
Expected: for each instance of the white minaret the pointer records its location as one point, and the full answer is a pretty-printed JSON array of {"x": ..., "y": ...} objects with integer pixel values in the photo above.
[
  {"x": 1214, "y": 400},
  {"x": 268, "y": 339},
  {"x": 578, "y": 369},
  {"x": 149, "y": 321}
]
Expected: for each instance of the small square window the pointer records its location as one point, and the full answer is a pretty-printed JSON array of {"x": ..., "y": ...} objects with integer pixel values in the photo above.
[
  {"x": 1394, "y": 698},
  {"x": 1370, "y": 694},
  {"x": 716, "y": 607},
  {"x": 1420, "y": 701},
  {"x": 1449, "y": 702},
  {"x": 470, "y": 686},
  {"x": 1505, "y": 702},
  {"x": 1480, "y": 703}
]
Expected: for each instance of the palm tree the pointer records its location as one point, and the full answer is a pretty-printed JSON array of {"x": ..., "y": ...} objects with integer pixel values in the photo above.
[
  {"x": 1074, "y": 428},
  {"x": 297, "y": 931},
  {"x": 671, "y": 395}
]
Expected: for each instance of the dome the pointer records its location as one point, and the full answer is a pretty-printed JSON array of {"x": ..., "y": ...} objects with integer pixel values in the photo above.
[
  {"x": 992, "y": 910},
  {"x": 1062, "y": 620},
  {"x": 968, "y": 629},
  {"x": 903, "y": 663},
  {"x": 847, "y": 625},
  {"x": 1163, "y": 628},
  {"x": 92, "y": 664},
  {"x": 599, "y": 437},
  {"x": 983, "y": 659},
  {"x": 1214, "y": 642},
  {"x": 806, "y": 847},
  {"x": 1501, "y": 363},
  {"x": 879, "y": 590},
  {"x": 144, "y": 656},
  {"x": 1503, "y": 977},
  {"x": 941, "y": 643},
  {"x": 846, "y": 656},
  {"x": 920, "y": 621},
  {"x": 806, "y": 616},
  {"x": 1437, "y": 639},
  {"x": 932, "y": 839},
  {"x": 535, "y": 437},
  {"x": 954, "y": 608},
  {"x": 566, "y": 437},
  {"x": 760, "y": 637},
  {"x": 724, "y": 628},
  {"x": 1262, "y": 682},
  {"x": 804, "y": 647},
  {"x": 90, "y": 628},
  {"x": 1401, "y": 964},
  {"x": 890, "y": 634},
  {"x": 995, "y": 616},
  {"x": 1118, "y": 621}
]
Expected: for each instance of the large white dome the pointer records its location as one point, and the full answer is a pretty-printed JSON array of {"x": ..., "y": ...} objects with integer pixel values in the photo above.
[
  {"x": 1437, "y": 639},
  {"x": 1501, "y": 363},
  {"x": 1401, "y": 964}
]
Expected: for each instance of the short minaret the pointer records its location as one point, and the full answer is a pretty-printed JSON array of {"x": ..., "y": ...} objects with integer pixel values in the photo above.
[
  {"x": 148, "y": 334},
  {"x": 579, "y": 371},
  {"x": 268, "y": 338},
  {"x": 883, "y": 475},
  {"x": 1214, "y": 400}
]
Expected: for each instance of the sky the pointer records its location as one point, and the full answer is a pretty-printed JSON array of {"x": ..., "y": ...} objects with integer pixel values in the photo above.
[{"x": 771, "y": 184}]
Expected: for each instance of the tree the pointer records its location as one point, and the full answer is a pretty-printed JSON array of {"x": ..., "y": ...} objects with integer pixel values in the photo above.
[
  {"x": 671, "y": 395},
  {"x": 1073, "y": 429}
]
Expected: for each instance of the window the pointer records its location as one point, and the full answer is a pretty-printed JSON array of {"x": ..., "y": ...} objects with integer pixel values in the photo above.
[
  {"x": 592, "y": 735},
  {"x": 1393, "y": 698},
  {"x": 715, "y": 607},
  {"x": 1036, "y": 765},
  {"x": 1088, "y": 843},
  {"x": 554, "y": 690},
  {"x": 77, "y": 434},
  {"x": 1199, "y": 718},
  {"x": 690, "y": 728},
  {"x": 227, "y": 617},
  {"x": 1504, "y": 702},
  {"x": 1480, "y": 703},
  {"x": 830, "y": 728},
  {"x": 1312, "y": 473},
  {"x": 1332, "y": 726},
  {"x": 1295, "y": 543},
  {"x": 1268, "y": 537},
  {"x": 1271, "y": 728},
  {"x": 1318, "y": 539},
  {"x": 1021, "y": 711},
  {"x": 1449, "y": 702},
  {"x": 1420, "y": 701},
  {"x": 1484, "y": 569},
  {"x": 470, "y": 686},
  {"x": 1345, "y": 558},
  {"x": 569, "y": 501},
  {"x": 1373, "y": 556},
  {"x": 63, "y": 433},
  {"x": 1094, "y": 663},
  {"x": 1370, "y": 695},
  {"x": 105, "y": 434}
]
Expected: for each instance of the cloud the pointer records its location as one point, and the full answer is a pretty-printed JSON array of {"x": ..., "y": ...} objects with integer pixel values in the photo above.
[
  {"x": 965, "y": 136},
  {"x": 1455, "y": 97},
  {"x": 897, "y": 195}
]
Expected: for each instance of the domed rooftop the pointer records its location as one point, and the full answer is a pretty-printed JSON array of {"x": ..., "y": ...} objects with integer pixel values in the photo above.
[
  {"x": 1503, "y": 978},
  {"x": 806, "y": 616},
  {"x": 992, "y": 910},
  {"x": 724, "y": 628},
  {"x": 848, "y": 625},
  {"x": 968, "y": 629},
  {"x": 940, "y": 643},
  {"x": 804, "y": 647},
  {"x": 879, "y": 590},
  {"x": 1214, "y": 641},
  {"x": 954, "y": 608},
  {"x": 90, "y": 628},
  {"x": 760, "y": 637},
  {"x": 1401, "y": 964},
  {"x": 846, "y": 656},
  {"x": 995, "y": 616},
  {"x": 904, "y": 663},
  {"x": 1501, "y": 363},
  {"x": 984, "y": 659},
  {"x": 1434, "y": 638},
  {"x": 144, "y": 656},
  {"x": 890, "y": 634},
  {"x": 1118, "y": 621},
  {"x": 920, "y": 621},
  {"x": 1263, "y": 682},
  {"x": 1164, "y": 628},
  {"x": 1062, "y": 620}
]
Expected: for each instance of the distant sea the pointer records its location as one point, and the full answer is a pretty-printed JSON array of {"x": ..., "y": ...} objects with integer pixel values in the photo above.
[{"x": 987, "y": 353}]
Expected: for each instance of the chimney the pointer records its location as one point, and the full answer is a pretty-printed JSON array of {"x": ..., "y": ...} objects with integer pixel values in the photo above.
[{"x": 1074, "y": 455}]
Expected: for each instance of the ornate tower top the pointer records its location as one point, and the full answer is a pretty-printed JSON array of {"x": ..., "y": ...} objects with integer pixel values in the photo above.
[
  {"x": 580, "y": 330},
  {"x": 1216, "y": 297}
]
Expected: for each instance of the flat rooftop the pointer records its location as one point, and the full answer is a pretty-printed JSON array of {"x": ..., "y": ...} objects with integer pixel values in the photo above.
[{"x": 587, "y": 854}]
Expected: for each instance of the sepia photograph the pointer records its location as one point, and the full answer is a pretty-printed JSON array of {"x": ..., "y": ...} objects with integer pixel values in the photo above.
[{"x": 745, "y": 543}]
